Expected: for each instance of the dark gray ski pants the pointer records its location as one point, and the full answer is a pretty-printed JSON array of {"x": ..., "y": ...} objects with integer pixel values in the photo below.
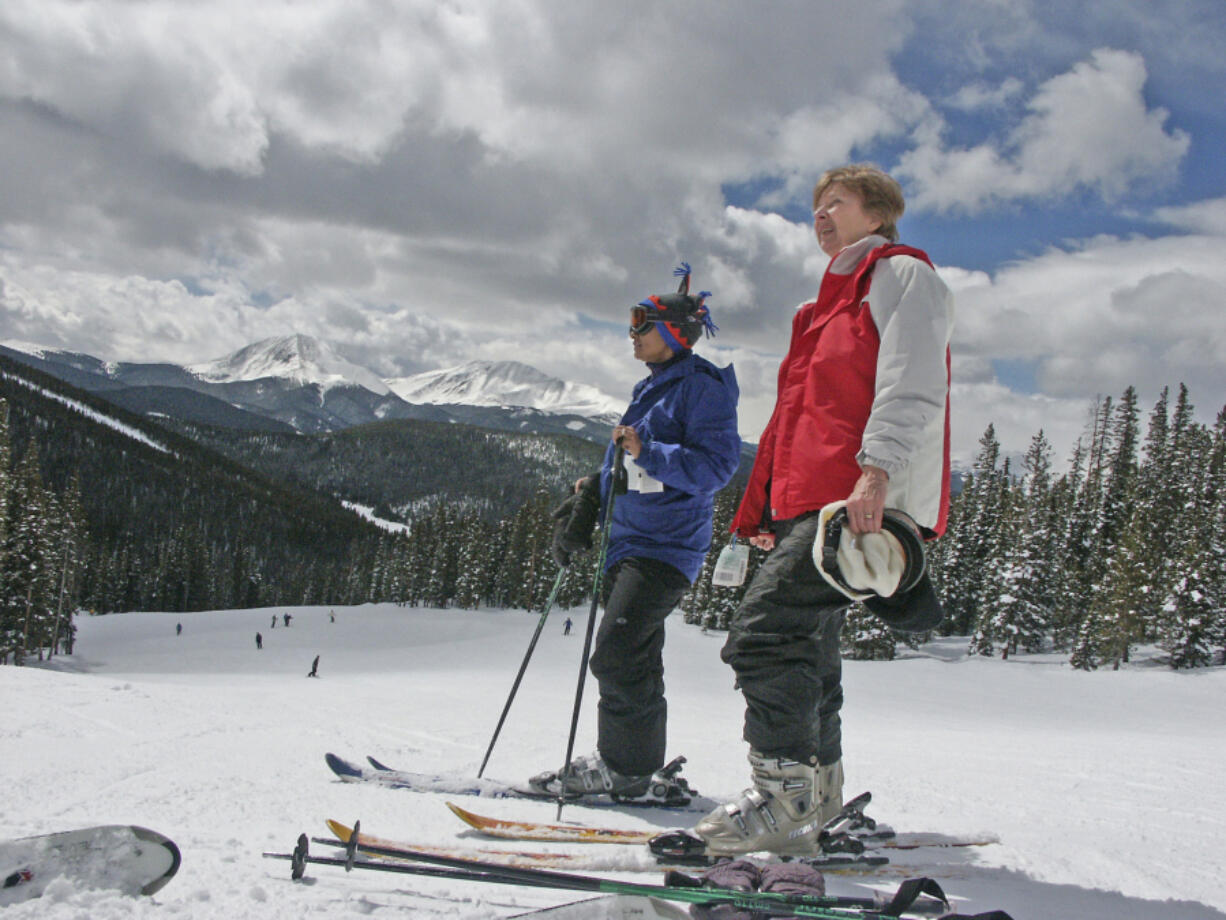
[
  {"x": 628, "y": 661},
  {"x": 783, "y": 644}
]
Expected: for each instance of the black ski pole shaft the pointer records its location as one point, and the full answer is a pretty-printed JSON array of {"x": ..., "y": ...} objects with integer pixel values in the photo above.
[
  {"x": 605, "y": 524},
  {"x": 540, "y": 625},
  {"x": 789, "y": 905}
]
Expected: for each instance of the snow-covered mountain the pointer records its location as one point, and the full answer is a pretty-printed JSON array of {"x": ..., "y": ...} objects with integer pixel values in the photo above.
[
  {"x": 506, "y": 383},
  {"x": 300, "y": 359},
  {"x": 302, "y": 383}
]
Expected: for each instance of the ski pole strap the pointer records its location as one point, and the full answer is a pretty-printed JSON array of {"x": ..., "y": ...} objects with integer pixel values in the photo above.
[{"x": 913, "y": 889}]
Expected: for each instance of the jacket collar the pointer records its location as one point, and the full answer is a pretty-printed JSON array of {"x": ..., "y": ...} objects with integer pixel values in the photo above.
[{"x": 847, "y": 258}]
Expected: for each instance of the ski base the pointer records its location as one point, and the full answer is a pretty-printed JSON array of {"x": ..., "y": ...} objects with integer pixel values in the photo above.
[{"x": 134, "y": 860}]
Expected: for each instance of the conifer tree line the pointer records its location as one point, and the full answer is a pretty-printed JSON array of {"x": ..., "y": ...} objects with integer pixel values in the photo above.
[
  {"x": 41, "y": 547},
  {"x": 1127, "y": 547}
]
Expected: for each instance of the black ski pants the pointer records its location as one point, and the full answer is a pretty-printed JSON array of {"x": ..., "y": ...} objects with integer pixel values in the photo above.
[
  {"x": 783, "y": 644},
  {"x": 628, "y": 662}
]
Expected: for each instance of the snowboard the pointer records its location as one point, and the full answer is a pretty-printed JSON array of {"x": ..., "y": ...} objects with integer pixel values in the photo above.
[{"x": 134, "y": 860}]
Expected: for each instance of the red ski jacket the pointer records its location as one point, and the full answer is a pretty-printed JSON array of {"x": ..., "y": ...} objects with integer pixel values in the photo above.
[{"x": 831, "y": 382}]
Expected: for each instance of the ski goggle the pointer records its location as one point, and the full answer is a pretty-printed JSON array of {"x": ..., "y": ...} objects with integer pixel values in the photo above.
[{"x": 641, "y": 319}]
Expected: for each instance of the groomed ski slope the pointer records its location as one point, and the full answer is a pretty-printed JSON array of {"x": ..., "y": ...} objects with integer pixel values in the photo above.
[{"x": 1105, "y": 788}]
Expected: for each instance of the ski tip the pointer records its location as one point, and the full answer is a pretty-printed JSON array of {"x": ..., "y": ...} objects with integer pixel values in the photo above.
[
  {"x": 172, "y": 849},
  {"x": 464, "y": 815},
  {"x": 342, "y": 831},
  {"x": 340, "y": 766}
]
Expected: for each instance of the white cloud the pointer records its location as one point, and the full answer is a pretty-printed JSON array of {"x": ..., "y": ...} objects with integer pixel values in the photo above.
[
  {"x": 1096, "y": 319},
  {"x": 424, "y": 183},
  {"x": 1088, "y": 129},
  {"x": 1016, "y": 418},
  {"x": 1200, "y": 217},
  {"x": 977, "y": 96}
]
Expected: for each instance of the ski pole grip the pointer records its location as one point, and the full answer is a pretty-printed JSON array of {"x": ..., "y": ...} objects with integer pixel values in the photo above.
[{"x": 621, "y": 481}]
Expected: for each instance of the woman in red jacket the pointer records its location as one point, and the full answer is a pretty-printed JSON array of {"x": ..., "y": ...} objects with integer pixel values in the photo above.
[{"x": 862, "y": 416}]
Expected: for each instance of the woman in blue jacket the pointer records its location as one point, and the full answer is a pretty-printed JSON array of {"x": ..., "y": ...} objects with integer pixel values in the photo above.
[{"x": 681, "y": 446}]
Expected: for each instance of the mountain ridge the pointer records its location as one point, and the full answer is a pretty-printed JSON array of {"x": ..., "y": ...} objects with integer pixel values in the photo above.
[{"x": 302, "y": 383}]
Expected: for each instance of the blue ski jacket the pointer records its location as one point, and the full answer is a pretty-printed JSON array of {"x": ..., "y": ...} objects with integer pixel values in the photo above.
[{"x": 685, "y": 416}]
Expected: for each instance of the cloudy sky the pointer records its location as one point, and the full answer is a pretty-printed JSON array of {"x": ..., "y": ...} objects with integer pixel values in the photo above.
[{"x": 423, "y": 183}]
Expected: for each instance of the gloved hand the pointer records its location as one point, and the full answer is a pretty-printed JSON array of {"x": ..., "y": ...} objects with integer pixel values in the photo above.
[
  {"x": 574, "y": 520},
  {"x": 746, "y": 875}
]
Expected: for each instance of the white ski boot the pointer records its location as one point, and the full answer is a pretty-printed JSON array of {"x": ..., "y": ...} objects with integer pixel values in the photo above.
[
  {"x": 830, "y": 790},
  {"x": 781, "y": 812}
]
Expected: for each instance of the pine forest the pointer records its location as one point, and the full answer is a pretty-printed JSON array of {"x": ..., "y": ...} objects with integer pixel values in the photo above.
[{"x": 1125, "y": 547}]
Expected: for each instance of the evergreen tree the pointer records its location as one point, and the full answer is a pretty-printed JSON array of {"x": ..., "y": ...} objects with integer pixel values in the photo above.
[
  {"x": 1191, "y": 613},
  {"x": 967, "y": 552},
  {"x": 1071, "y": 516},
  {"x": 865, "y": 637},
  {"x": 472, "y": 563},
  {"x": 1117, "y": 581},
  {"x": 27, "y": 596}
]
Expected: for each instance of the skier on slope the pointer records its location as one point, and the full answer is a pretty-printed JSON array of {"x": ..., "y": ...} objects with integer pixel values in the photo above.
[
  {"x": 681, "y": 445},
  {"x": 860, "y": 433}
]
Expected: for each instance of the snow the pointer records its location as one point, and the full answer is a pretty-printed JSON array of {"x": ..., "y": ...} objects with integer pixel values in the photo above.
[
  {"x": 506, "y": 383},
  {"x": 1104, "y": 788},
  {"x": 301, "y": 359},
  {"x": 368, "y": 512},
  {"x": 82, "y": 409}
]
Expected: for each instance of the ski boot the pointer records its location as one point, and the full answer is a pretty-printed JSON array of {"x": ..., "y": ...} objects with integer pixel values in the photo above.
[
  {"x": 588, "y": 775},
  {"x": 666, "y": 787},
  {"x": 781, "y": 812},
  {"x": 591, "y": 775}
]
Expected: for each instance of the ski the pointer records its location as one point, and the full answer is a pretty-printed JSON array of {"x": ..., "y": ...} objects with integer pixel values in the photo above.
[
  {"x": 918, "y": 894},
  {"x": 575, "y": 833},
  {"x": 134, "y": 860},
  {"x": 381, "y": 774},
  {"x": 615, "y": 860}
]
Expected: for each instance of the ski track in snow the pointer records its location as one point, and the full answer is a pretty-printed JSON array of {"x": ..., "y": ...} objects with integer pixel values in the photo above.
[{"x": 1104, "y": 788}]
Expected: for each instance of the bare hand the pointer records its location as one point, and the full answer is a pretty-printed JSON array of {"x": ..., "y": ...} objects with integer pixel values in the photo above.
[
  {"x": 763, "y": 541},
  {"x": 866, "y": 504},
  {"x": 628, "y": 438}
]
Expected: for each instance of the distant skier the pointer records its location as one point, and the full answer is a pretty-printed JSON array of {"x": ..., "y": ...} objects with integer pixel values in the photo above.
[
  {"x": 566, "y": 627},
  {"x": 178, "y": 629},
  {"x": 314, "y": 672},
  {"x": 680, "y": 443},
  {"x": 287, "y": 619},
  {"x": 259, "y": 641},
  {"x": 274, "y": 622},
  {"x": 331, "y": 616}
]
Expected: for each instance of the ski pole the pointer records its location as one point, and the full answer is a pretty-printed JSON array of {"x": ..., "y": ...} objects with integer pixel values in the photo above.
[
  {"x": 616, "y": 483},
  {"x": 540, "y": 624},
  {"x": 909, "y": 898}
]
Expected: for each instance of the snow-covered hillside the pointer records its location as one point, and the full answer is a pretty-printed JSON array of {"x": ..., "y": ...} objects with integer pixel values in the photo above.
[
  {"x": 506, "y": 383},
  {"x": 1104, "y": 788},
  {"x": 300, "y": 359}
]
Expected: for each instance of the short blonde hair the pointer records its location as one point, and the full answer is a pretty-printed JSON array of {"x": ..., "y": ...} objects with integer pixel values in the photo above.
[{"x": 880, "y": 192}]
